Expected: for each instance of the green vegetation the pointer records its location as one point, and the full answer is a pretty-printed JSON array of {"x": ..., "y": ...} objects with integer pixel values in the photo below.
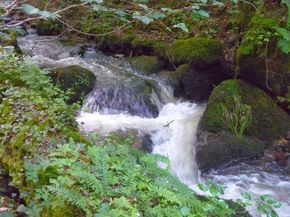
[
  {"x": 60, "y": 173},
  {"x": 146, "y": 64},
  {"x": 34, "y": 115},
  {"x": 114, "y": 180},
  {"x": 237, "y": 117},
  {"x": 264, "y": 111},
  {"x": 196, "y": 49},
  {"x": 79, "y": 81}
]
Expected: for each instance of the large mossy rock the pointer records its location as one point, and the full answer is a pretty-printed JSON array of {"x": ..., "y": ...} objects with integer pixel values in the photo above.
[
  {"x": 146, "y": 64},
  {"x": 216, "y": 138},
  {"x": 78, "y": 80},
  {"x": 197, "y": 81},
  {"x": 197, "y": 49}
]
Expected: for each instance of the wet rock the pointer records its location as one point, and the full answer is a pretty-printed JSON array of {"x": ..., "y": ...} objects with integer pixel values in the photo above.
[
  {"x": 76, "y": 79},
  {"x": 132, "y": 96},
  {"x": 197, "y": 81},
  {"x": 171, "y": 78},
  {"x": 147, "y": 143},
  {"x": 268, "y": 122},
  {"x": 146, "y": 64},
  {"x": 216, "y": 149}
]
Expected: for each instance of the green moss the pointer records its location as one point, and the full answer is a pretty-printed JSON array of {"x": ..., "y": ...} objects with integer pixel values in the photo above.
[
  {"x": 268, "y": 120},
  {"x": 78, "y": 80},
  {"x": 260, "y": 30},
  {"x": 196, "y": 49},
  {"x": 145, "y": 64}
]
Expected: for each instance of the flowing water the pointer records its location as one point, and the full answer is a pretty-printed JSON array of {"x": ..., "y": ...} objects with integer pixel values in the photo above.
[{"x": 118, "y": 103}]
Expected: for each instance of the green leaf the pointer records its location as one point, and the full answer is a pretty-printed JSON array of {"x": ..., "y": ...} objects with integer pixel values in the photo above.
[
  {"x": 144, "y": 19},
  {"x": 185, "y": 211},
  {"x": 181, "y": 26},
  {"x": 48, "y": 15},
  {"x": 203, "y": 13},
  {"x": 284, "y": 45},
  {"x": 284, "y": 33},
  {"x": 120, "y": 13},
  {"x": 157, "y": 15},
  {"x": 29, "y": 9}
]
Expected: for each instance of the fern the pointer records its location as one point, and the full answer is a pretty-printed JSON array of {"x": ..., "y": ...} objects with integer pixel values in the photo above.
[{"x": 118, "y": 181}]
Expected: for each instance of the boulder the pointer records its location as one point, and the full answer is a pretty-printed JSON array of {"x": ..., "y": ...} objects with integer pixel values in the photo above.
[
  {"x": 218, "y": 140},
  {"x": 131, "y": 96},
  {"x": 197, "y": 82},
  {"x": 216, "y": 149},
  {"x": 76, "y": 79},
  {"x": 196, "y": 49},
  {"x": 146, "y": 64}
]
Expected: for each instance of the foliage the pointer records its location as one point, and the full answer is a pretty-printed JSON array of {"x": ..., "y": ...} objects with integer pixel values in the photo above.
[
  {"x": 264, "y": 204},
  {"x": 284, "y": 32},
  {"x": 33, "y": 115},
  {"x": 237, "y": 116},
  {"x": 115, "y": 180}
]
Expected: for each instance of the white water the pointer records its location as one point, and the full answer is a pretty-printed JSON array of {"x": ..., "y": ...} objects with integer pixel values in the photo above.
[{"x": 173, "y": 139}]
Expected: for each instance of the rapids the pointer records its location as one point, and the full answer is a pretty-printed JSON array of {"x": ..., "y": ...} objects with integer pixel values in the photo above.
[{"x": 172, "y": 130}]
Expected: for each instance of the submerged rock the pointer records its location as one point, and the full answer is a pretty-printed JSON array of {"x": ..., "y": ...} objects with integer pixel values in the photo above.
[
  {"x": 217, "y": 136},
  {"x": 78, "y": 80}
]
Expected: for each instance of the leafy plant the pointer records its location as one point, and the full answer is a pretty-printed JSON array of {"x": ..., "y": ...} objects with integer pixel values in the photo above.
[
  {"x": 237, "y": 116},
  {"x": 114, "y": 180},
  {"x": 284, "y": 32}
]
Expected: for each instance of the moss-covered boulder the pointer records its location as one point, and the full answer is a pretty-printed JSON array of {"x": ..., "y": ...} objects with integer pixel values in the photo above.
[
  {"x": 198, "y": 82},
  {"x": 225, "y": 113},
  {"x": 196, "y": 49},
  {"x": 74, "y": 78},
  {"x": 146, "y": 64},
  {"x": 48, "y": 27}
]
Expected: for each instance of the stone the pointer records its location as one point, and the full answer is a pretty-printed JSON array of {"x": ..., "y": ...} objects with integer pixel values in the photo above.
[
  {"x": 218, "y": 144},
  {"x": 78, "y": 80}
]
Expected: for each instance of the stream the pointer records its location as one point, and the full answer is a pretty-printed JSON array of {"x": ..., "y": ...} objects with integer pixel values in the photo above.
[{"x": 115, "y": 104}]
